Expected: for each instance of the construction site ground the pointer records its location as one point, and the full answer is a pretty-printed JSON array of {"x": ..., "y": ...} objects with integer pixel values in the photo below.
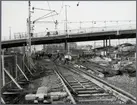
[
  {"x": 48, "y": 79},
  {"x": 124, "y": 82}
]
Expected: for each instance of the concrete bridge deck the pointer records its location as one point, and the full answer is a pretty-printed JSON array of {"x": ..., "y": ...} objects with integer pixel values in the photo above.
[{"x": 76, "y": 37}]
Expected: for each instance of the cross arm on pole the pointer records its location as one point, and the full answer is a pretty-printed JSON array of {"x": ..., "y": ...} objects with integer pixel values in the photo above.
[
  {"x": 45, "y": 16},
  {"x": 43, "y": 9}
]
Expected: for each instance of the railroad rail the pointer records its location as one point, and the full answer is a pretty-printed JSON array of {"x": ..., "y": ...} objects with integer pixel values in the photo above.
[
  {"x": 95, "y": 68},
  {"x": 87, "y": 88},
  {"x": 81, "y": 87}
]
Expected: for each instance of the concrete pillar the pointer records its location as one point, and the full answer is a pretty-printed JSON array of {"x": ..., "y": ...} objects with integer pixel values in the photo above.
[
  {"x": 106, "y": 42},
  {"x": 109, "y": 45},
  {"x": 104, "y": 45},
  {"x": 109, "y": 41}
]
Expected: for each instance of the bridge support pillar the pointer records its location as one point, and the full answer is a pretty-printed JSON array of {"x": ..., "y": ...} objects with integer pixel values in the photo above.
[
  {"x": 103, "y": 43},
  {"x": 109, "y": 41},
  {"x": 109, "y": 45},
  {"x": 106, "y": 46},
  {"x": 106, "y": 42}
]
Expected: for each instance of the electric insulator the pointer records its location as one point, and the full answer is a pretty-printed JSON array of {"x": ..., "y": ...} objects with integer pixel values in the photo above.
[
  {"x": 78, "y": 4},
  {"x": 31, "y": 34},
  {"x": 56, "y": 22},
  {"x": 32, "y": 28},
  {"x": 27, "y": 20}
]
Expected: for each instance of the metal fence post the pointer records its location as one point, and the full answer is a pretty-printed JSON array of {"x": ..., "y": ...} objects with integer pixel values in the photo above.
[
  {"x": 2, "y": 101},
  {"x": 23, "y": 58},
  {"x": 22, "y": 72},
  {"x": 12, "y": 78},
  {"x": 16, "y": 67}
]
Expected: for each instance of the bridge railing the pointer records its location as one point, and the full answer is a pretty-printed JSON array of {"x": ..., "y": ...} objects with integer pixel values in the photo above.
[
  {"x": 19, "y": 35},
  {"x": 14, "y": 74},
  {"x": 24, "y": 35},
  {"x": 101, "y": 29},
  {"x": 86, "y": 30}
]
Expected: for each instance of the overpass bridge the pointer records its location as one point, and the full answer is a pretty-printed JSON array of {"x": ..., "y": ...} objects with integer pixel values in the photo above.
[{"x": 75, "y": 35}]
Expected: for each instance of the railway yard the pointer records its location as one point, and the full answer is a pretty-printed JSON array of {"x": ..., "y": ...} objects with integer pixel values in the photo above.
[
  {"x": 80, "y": 81},
  {"x": 80, "y": 52}
]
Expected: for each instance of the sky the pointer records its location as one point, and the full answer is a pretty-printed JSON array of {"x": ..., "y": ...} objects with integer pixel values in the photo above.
[{"x": 15, "y": 14}]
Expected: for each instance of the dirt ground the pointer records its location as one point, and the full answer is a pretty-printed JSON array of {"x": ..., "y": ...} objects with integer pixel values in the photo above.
[
  {"x": 49, "y": 78},
  {"x": 124, "y": 82}
]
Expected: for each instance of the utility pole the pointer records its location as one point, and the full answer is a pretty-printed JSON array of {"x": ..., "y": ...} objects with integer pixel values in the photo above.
[
  {"x": 3, "y": 73},
  {"x": 56, "y": 24},
  {"x": 29, "y": 30},
  {"x": 105, "y": 25},
  {"x": 29, "y": 34},
  {"x": 67, "y": 35},
  {"x": 66, "y": 18},
  {"x": 9, "y": 32}
]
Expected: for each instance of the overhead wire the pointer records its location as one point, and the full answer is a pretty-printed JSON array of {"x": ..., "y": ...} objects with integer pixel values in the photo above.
[
  {"x": 50, "y": 9},
  {"x": 59, "y": 14},
  {"x": 61, "y": 8},
  {"x": 44, "y": 16}
]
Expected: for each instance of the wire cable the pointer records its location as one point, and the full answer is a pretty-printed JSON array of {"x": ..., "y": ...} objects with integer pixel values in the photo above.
[
  {"x": 61, "y": 8},
  {"x": 50, "y": 9}
]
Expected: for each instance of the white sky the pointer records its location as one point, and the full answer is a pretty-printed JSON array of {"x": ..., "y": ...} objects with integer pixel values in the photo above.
[{"x": 15, "y": 13}]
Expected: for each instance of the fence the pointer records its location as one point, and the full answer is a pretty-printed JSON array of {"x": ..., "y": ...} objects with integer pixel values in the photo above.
[
  {"x": 92, "y": 29},
  {"x": 15, "y": 68}
]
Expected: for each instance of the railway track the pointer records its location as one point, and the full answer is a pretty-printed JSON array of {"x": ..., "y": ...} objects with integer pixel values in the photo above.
[
  {"x": 81, "y": 87},
  {"x": 94, "y": 65},
  {"x": 89, "y": 89},
  {"x": 100, "y": 70}
]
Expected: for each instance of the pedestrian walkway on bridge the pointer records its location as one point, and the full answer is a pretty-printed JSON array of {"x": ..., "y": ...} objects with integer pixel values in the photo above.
[{"x": 96, "y": 26}]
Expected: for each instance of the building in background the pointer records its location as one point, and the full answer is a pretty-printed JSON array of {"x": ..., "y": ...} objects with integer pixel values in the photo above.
[{"x": 60, "y": 47}]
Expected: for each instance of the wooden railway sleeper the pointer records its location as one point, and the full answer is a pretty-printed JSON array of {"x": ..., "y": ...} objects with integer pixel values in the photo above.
[
  {"x": 120, "y": 94},
  {"x": 67, "y": 83}
]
